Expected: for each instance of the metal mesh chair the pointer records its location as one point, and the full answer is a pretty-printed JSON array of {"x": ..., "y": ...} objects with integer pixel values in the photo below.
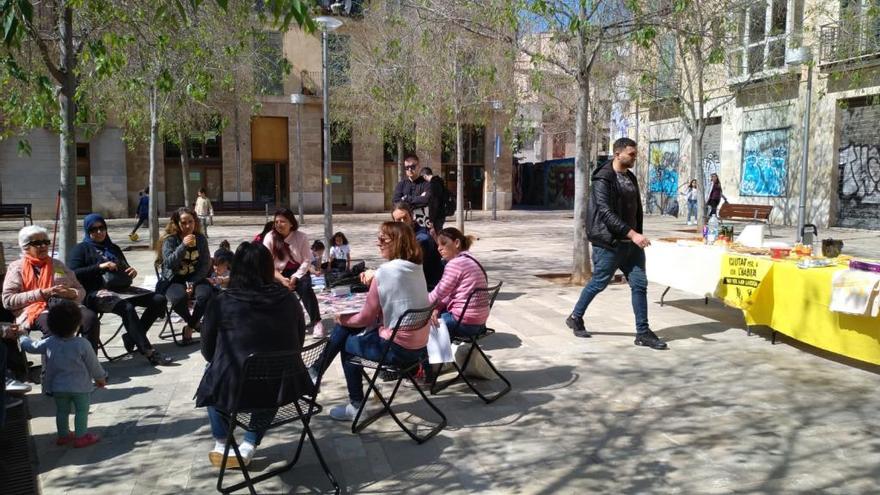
[
  {"x": 477, "y": 298},
  {"x": 102, "y": 344},
  {"x": 411, "y": 319},
  {"x": 260, "y": 368}
]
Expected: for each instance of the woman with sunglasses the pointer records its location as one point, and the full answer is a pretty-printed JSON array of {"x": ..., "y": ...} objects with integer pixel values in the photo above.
[
  {"x": 96, "y": 260},
  {"x": 399, "y": 285},
  {"x": 185, "y": 265},
  {"x": 36, "y": 281}
]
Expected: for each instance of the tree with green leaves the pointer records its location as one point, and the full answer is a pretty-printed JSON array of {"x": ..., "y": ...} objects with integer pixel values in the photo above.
[
  {"x": 471, "y": 72},
  {"x": 387, "y": 68},
  {"x": 53, "y": 47}
]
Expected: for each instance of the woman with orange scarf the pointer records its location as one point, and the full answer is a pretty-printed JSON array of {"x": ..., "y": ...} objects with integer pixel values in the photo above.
[{"x": 36, "y": 280}]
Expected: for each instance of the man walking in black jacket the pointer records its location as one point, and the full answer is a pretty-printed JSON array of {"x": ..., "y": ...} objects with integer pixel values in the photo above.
[{"x": 615, "y": 231}]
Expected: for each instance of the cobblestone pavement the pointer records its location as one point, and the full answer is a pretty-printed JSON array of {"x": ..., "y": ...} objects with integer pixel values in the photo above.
[{"x": 719, "y": 412}]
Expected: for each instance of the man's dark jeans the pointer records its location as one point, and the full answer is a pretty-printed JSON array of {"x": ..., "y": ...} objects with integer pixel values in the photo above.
[{"x": 630, "y": 259}]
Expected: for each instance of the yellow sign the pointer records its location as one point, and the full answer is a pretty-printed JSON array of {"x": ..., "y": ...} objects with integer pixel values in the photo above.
[{"x": 741, "y": 278}]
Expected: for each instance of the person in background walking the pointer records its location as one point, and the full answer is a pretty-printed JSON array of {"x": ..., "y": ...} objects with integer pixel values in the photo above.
[
  {"x": 715, "y": 196},
  {"x": 615, "y": 230},
  {"x": 436, "y": 195},
  {"x": 690, "y": 194},
  {"x": 143, "y": 212},
  {"x": 203, "y": 209}
]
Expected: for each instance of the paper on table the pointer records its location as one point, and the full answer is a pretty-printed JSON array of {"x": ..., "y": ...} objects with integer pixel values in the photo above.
[
  {"x": 855, "y": 292},
  {"x": 439, "y": 347}
]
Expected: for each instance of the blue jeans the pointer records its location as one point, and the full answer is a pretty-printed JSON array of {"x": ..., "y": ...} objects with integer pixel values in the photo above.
[
  {"x": 631, "y": 261},
  {"x": 463, "y": 330},
  {"x": 219, "y": 431},
  {"x": 692, "y": 209},
  {"x": 368, "y": 346}
]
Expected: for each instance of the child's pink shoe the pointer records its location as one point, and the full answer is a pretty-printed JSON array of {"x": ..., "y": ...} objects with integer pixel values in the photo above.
[
  {"x": 85, "y": 440},
  {"x": 318, "y": 331},
  {"x": 65, "y": 440}
]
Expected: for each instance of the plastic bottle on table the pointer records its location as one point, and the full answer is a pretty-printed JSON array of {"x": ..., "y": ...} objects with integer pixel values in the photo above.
[{"x": 712, "y": 234}]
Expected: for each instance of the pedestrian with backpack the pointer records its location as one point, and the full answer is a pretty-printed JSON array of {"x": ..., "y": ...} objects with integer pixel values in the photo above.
[{"x": 437, "y": 198}]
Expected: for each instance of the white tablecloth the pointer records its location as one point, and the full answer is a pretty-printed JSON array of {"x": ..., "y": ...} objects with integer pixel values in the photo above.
[{"x": 695, "y": 269}]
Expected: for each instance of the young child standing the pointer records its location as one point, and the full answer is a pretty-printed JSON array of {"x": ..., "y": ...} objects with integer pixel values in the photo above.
[
  {"x": 690, "y": 195},
  {"x": 316, "y": 266},
  {"x": 340, "y": 253},
  {"x": 203, "y": 209},
  {"x": 71, "y": 367}
]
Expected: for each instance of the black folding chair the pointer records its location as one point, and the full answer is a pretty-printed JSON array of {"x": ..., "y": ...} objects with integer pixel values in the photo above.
[
  {"x": 477, "y": 298},
  {"x": 411, "y": 319},
  {"x": 168, "y": 331},
  {"x": 102, "y": 344},
  {"x": 274, "y": 367}
]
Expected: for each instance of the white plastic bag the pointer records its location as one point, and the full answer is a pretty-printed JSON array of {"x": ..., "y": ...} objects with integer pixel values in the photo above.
[
  {"x": 439, "y": 346},
  {"x": 477, "y": 367}
]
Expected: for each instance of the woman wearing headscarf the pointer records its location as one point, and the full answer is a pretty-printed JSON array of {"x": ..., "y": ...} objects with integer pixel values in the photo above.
[
  {"x": 104, "y": 272},
  {"x": 36, "y": 281}
]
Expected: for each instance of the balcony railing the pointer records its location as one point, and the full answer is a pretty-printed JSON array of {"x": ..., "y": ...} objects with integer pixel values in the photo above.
[
  {"x": 851, "y": 42},
  {"x": 665, "y": 88},
  {"x": 310, "y": 82}
]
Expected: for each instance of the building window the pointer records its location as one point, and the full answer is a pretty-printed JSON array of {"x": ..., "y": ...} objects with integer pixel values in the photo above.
[
  {"x": 339, "y": 52},
  {"x": 473, "y": 145},
  {"x": 270, "y": 66},
  {"x": 764, "y": 30}
]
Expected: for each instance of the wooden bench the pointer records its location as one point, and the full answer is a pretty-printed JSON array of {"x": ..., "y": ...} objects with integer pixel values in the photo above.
[
  {"x": 748, "y": 213},
  {"x": 17, "y": 210}
]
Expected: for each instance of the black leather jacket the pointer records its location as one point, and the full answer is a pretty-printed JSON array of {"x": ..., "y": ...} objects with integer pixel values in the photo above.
[{"x": 606, "y": 228}]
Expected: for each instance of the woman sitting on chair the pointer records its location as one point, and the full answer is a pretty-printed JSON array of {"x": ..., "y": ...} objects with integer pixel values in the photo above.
[
  {"x": 292, "y": 254},
  {"x": 252, "y": 315},
  {"x": 398, "y": 286},
  {"x": 36, "y": 281},
  {"x": 95, "y": 261},
  {"x": 462, "y": 274},
  {"x": 186, "y": 264}
]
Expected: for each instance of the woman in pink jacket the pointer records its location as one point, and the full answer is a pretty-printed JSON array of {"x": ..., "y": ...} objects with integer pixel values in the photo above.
[
  {"x": 36, "y": 281},
  {"x": 291, "y": 254},
  {"x": 462, "y": 274}
]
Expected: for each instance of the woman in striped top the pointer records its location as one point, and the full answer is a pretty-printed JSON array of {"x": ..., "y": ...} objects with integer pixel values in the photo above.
[{"x": 462, "y": 274}]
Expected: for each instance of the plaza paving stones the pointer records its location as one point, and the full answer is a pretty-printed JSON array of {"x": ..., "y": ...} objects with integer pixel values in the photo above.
[{"x": 719, "y": 412}]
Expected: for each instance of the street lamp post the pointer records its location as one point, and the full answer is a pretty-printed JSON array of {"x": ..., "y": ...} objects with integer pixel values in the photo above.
[
  {"x": 299, "y": 100},
  {"x": 327, "y": 25},
  {"x": 803, "y": 55},
  {"x": 496, "y": 105}
]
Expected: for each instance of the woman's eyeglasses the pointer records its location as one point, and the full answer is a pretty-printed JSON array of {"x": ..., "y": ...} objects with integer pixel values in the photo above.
[
  {"x": 40, "y": 243},
  {"x": 382, "y": 240},
  {"x": 100, "y": 228}
]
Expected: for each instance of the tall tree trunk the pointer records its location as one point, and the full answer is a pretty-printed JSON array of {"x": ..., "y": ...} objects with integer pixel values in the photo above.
[
  {"x": 237, "y": 134},
  {"x": 184, "y": 168},
  {"x": 697, "y": 166},
  {"x": 154, "y": 139},
  {"x": 581, "y": 269},
  {"x": 67, "y": 140},
  {"x": 459, "y": 176},
  {"x": 400, "y": 171}
]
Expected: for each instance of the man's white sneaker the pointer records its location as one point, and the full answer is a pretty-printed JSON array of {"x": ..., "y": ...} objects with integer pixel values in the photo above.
[{"x": 16, "y": 387}]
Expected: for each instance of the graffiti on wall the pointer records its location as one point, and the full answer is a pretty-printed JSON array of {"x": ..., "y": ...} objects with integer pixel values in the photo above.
[
  {"x": 859, "y": 167},
  {"x": 764, "y": 163},
  {"x": 711, "y": 165},
  {"x": 663, "y": 160},
  {"x": 619, "y": 121}
]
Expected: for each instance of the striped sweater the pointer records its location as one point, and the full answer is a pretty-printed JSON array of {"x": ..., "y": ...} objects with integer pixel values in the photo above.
[{"x": 460, "y": 277}]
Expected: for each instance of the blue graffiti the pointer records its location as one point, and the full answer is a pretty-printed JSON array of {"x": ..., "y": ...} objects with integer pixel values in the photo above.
[{"x": 765, "y": 163}]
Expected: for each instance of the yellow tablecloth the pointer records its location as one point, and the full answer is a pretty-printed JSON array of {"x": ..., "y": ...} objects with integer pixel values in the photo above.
[{"x": 794, "y": 302}]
